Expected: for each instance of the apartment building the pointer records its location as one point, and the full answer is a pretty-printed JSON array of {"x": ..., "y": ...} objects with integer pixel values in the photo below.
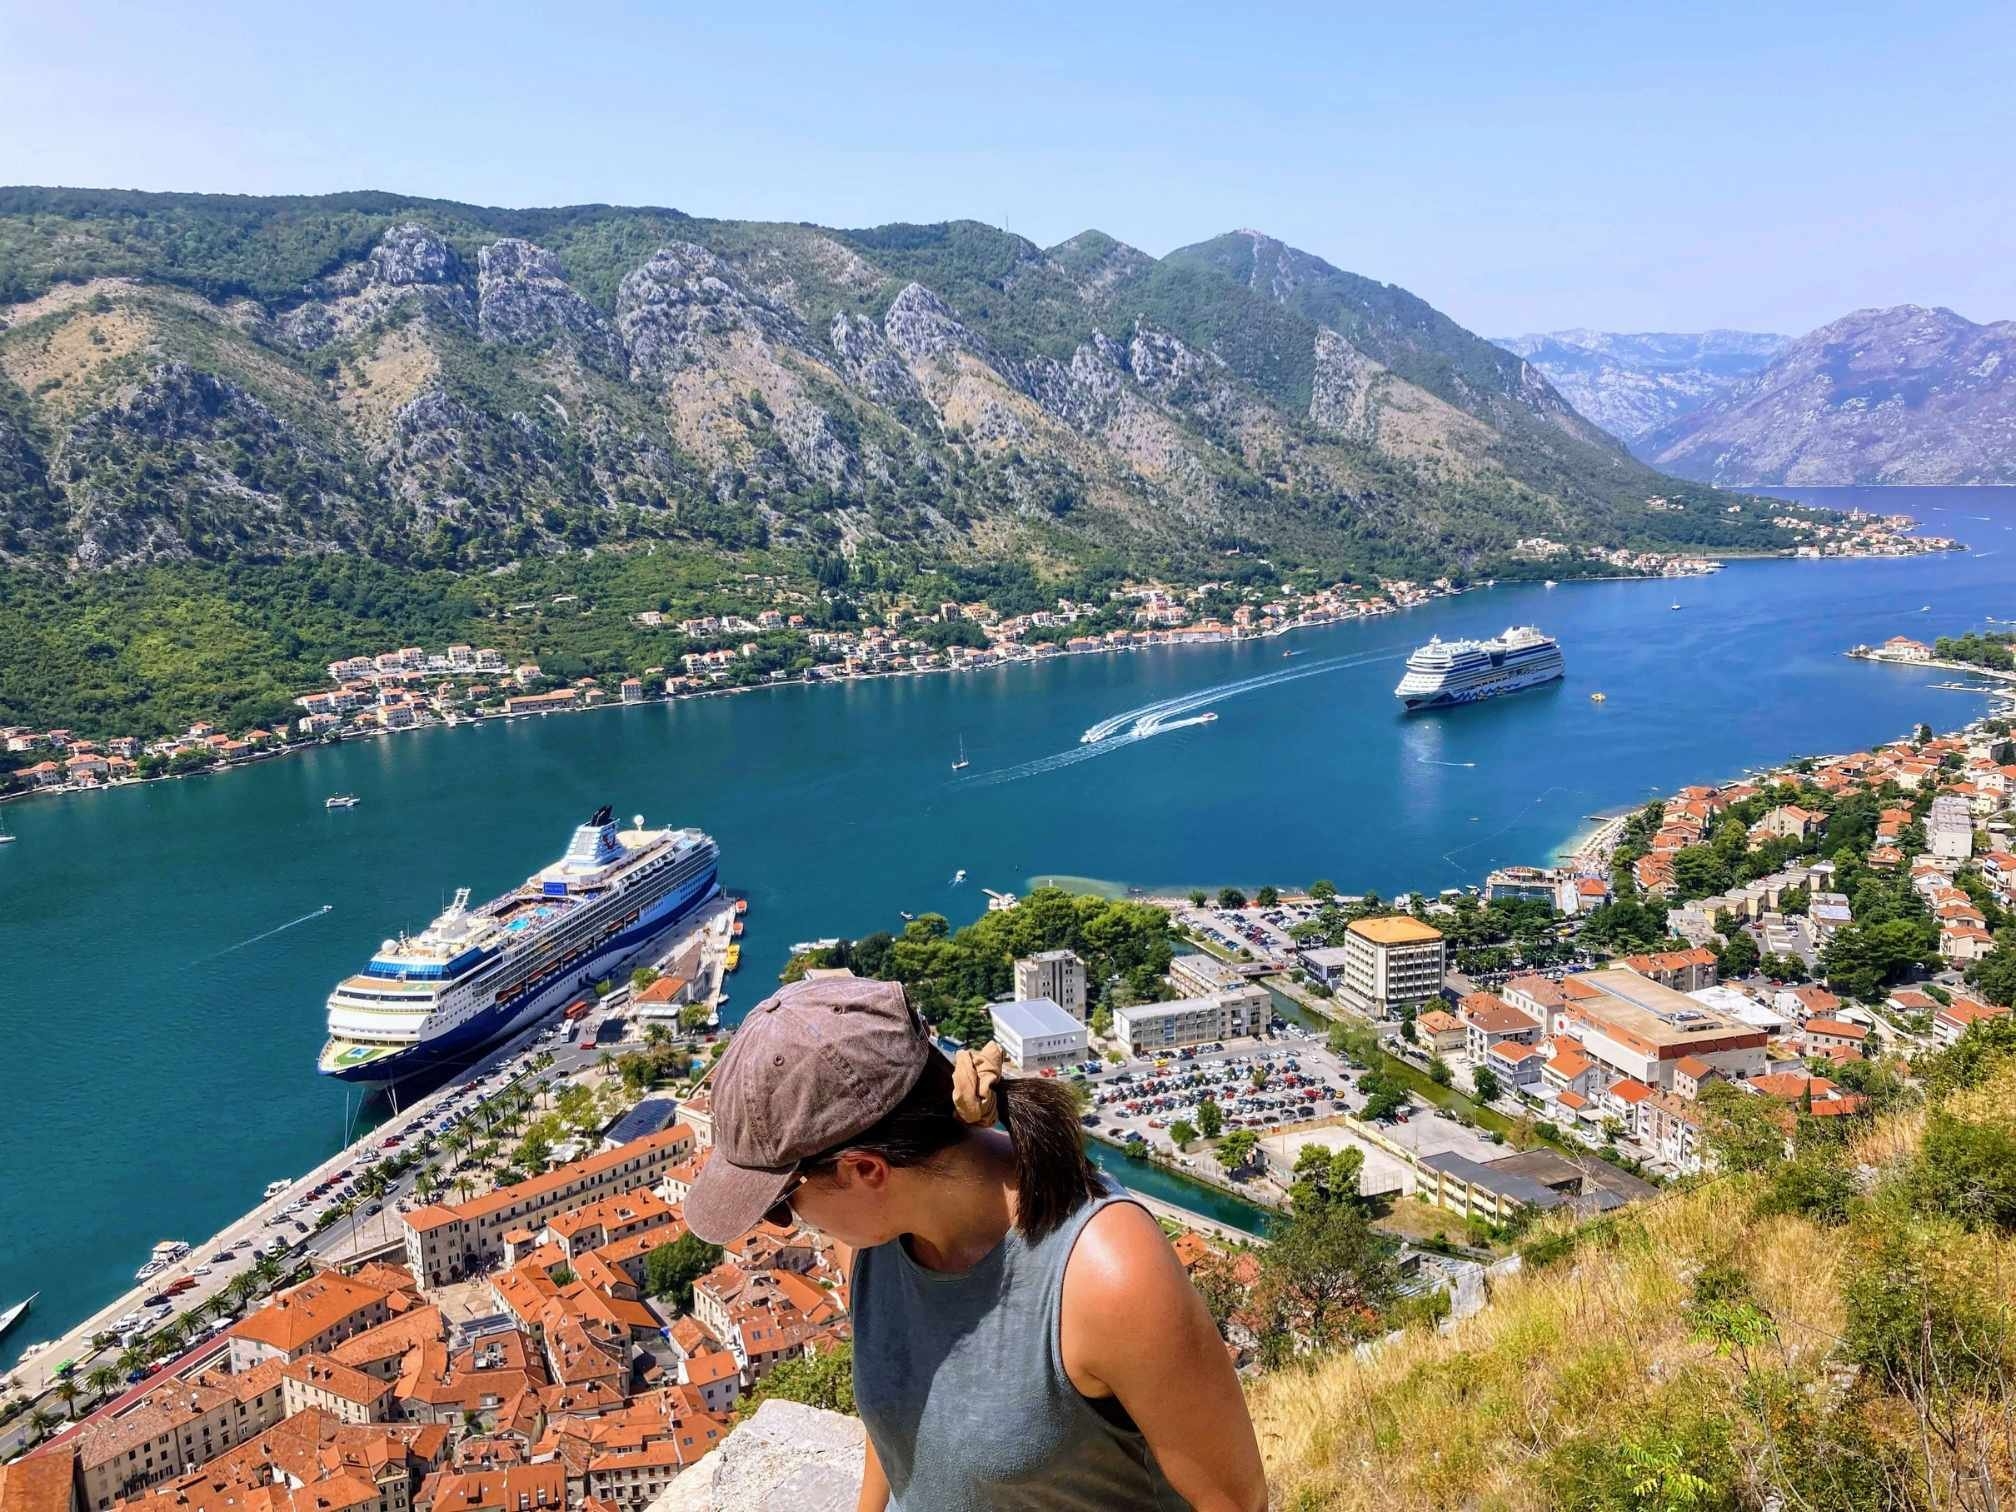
[
  {"x": 445, "y": 1243},
  {"x": 1382, "y": 964},
  {"x": 1054, "y": 974},
  {"x": 1147, "y": 1028}
]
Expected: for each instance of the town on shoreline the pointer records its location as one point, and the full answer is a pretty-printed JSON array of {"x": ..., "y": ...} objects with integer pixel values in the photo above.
[{"x": 385, "y": 692}]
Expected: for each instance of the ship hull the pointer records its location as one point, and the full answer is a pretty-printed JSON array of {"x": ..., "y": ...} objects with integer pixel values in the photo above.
[
  {"x": 1448, "y": 698},
  {"x": 480, "y": 1031}
]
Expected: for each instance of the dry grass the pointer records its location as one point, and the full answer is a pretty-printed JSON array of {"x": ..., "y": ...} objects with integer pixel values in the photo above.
[
  {"x": 399, "y": 367},
  {"x": 1600, "y": 1349},
  {"x": 56, "y": 360}
]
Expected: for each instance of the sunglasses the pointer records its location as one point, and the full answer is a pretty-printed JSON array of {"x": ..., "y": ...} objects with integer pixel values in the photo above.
[{"x": 779, "y": 1212}]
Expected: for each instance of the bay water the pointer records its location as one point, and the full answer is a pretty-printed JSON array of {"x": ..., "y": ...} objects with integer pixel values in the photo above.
[{"x": 164, "y": 954}]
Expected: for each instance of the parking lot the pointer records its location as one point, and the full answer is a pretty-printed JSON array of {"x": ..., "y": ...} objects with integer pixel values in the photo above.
[
  {"x": 1262, "y": 933},
  {"x": 1302, "y": 1081}
]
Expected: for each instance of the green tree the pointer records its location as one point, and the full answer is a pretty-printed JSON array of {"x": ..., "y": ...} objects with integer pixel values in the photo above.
[
  {"x": 1966, "y": 1171},
  {"x": 1236, "y": 1148},
  {"x": 1197, "y": 897},
  {"x": 1485, "y": 1080},
  {"x": 1231, "y": 897},
  {"x": 1182, "y": 1132},
  {"x": 1439, "y": 1072},
  {"x": 1323, "y": 890},
  {"x": 641, "y": 978},
  {"x": 824, "y": 1380},
  {"x": 1102, "y": 1021},
  {"x": 1210, "y": 1118},
  {"x": 1738, "y": 956},
  {"x": 1334, "y": 1270},
  {"x": 1267, "y": 897},
  {"x": 671, "y": 1269}
]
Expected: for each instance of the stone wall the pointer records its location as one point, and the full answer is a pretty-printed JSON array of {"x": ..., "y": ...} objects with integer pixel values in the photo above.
[{"x": 787, "y": 1456}]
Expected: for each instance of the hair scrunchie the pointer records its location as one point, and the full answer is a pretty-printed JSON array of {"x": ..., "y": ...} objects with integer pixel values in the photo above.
[{"x": 974, "y": 1074}]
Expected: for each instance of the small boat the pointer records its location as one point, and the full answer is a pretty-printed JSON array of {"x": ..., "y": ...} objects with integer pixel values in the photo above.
[
  {"x": 1286, "y": 654},
  {"x": 275, "y": 1188},
  {"x": 17, "y": 1312},
  {"x": 741, "y": 905},
  {"x": 1550, "y": 583},
  {"x": 1674, "y": 605},
  {"x": 1924, "y": 608},
  {"x": 959, "y": 876},
  {"x": 961, "y": 763},
  {"x": 1206, "y": 718},
  {"x": 340, "y": 801},
  {"x": 1599, "y": 698},
  {"x": 904, "y": 915}
]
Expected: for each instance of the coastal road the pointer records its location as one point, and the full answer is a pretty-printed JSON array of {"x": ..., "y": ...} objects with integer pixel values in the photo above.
[{"x": 290, "y": 1215}]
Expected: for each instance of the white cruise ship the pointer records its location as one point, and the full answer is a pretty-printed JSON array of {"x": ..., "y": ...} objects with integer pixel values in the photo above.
[
  {"x": 475, "y": 975},
  {"x": 1442, "y": 672}
]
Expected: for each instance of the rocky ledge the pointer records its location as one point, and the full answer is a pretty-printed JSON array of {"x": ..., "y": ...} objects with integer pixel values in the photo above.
[{"x": 785, "y": 1456}]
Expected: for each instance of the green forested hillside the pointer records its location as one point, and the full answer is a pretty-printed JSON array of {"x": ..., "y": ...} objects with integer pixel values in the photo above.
[{"x": 223, "y": 386}]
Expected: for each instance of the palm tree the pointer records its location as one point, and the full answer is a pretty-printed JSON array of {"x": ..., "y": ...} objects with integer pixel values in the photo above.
[
  {"x": 41, "y": 1420},
  {"x": 427, "y": 1183},
  {"x": 101, "y": 1380},
  {"x": 67, "y": 1392},
  {"x": 241, "y": 1286},
  {"x": 132, "y": 1359}
]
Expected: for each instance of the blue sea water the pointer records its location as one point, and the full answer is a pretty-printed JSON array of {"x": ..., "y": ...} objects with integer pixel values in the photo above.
[{"x": 160, "y": 1058}]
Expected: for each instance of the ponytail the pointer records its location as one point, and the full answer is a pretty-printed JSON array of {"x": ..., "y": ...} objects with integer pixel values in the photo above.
[{"x": 1053, "y": 1175}]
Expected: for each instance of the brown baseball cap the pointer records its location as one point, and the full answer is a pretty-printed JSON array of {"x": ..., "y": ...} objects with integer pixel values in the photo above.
[{"x": 810, "y": 1067}]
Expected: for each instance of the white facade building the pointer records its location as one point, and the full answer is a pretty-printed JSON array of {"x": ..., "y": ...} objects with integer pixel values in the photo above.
[{"x": 1038, "y": 1035}]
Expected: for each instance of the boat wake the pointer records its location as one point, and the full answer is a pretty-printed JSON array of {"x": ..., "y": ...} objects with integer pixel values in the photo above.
[
  {"x": 268, "y": 934},
  {"x": 1146, "y": 721},
  {"x": 1431, "y": 761}
]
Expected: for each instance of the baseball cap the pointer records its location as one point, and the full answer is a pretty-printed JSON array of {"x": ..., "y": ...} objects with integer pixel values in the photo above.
[{"x": 812, "y": 1066}]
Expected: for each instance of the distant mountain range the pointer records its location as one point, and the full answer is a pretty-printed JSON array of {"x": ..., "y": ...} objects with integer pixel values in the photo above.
[
  {"x": 1904, "y": 395},
  {"x": 1632, "y": 385},
  {"x": 227, "y": 379}
]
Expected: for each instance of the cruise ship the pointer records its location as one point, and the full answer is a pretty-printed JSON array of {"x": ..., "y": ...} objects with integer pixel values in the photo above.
[
  {"x": 1443, "y": 673},
  {"x": 476, "y": 975}
]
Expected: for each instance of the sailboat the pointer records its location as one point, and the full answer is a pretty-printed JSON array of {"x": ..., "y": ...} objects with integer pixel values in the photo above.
[
  {"x": 16, "y": 1313},
  {"x": 960, "y": 764}
]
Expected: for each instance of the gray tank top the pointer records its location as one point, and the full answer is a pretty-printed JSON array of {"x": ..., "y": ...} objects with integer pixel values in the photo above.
[{"x": 960, "y": 1380}]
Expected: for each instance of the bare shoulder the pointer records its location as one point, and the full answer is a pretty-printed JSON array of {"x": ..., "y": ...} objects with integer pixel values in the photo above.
[
  {"x": 1119, "y": 1273},
  {"x": 1121, "y": 1249}
]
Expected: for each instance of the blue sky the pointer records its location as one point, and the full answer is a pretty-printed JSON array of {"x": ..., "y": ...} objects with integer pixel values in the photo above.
[{"x": 1521, "y": 166}]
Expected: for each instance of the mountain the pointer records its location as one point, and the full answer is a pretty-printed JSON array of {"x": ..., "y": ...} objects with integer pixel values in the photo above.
[
  {"x": 1905, "y": 395},
  {"x": 227, "y": 379},
  {"x": 1631, "y": 385}
]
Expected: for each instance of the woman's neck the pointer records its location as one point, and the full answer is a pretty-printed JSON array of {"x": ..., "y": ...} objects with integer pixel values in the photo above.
[{"x": 966, "y": 1205}]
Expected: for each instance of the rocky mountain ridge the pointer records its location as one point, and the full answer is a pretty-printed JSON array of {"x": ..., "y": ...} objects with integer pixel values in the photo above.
[
  {"x": 1903, "y": 395},
  {"x": 218, "y": 378},
  {"x": 1633, "y": 384}
]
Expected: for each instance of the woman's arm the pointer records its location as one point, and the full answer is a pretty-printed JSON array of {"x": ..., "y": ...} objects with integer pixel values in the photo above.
[
  {"x": 1174, "y": 1377},
  {"x": 874, "y": 1484}
]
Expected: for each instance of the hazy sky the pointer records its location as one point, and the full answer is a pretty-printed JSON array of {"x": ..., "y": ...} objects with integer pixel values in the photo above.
[{"x": 1523, "y": 167}]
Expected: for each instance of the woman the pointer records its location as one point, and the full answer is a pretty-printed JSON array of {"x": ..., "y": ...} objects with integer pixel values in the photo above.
[{"x": 1023, "y": 1335}]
